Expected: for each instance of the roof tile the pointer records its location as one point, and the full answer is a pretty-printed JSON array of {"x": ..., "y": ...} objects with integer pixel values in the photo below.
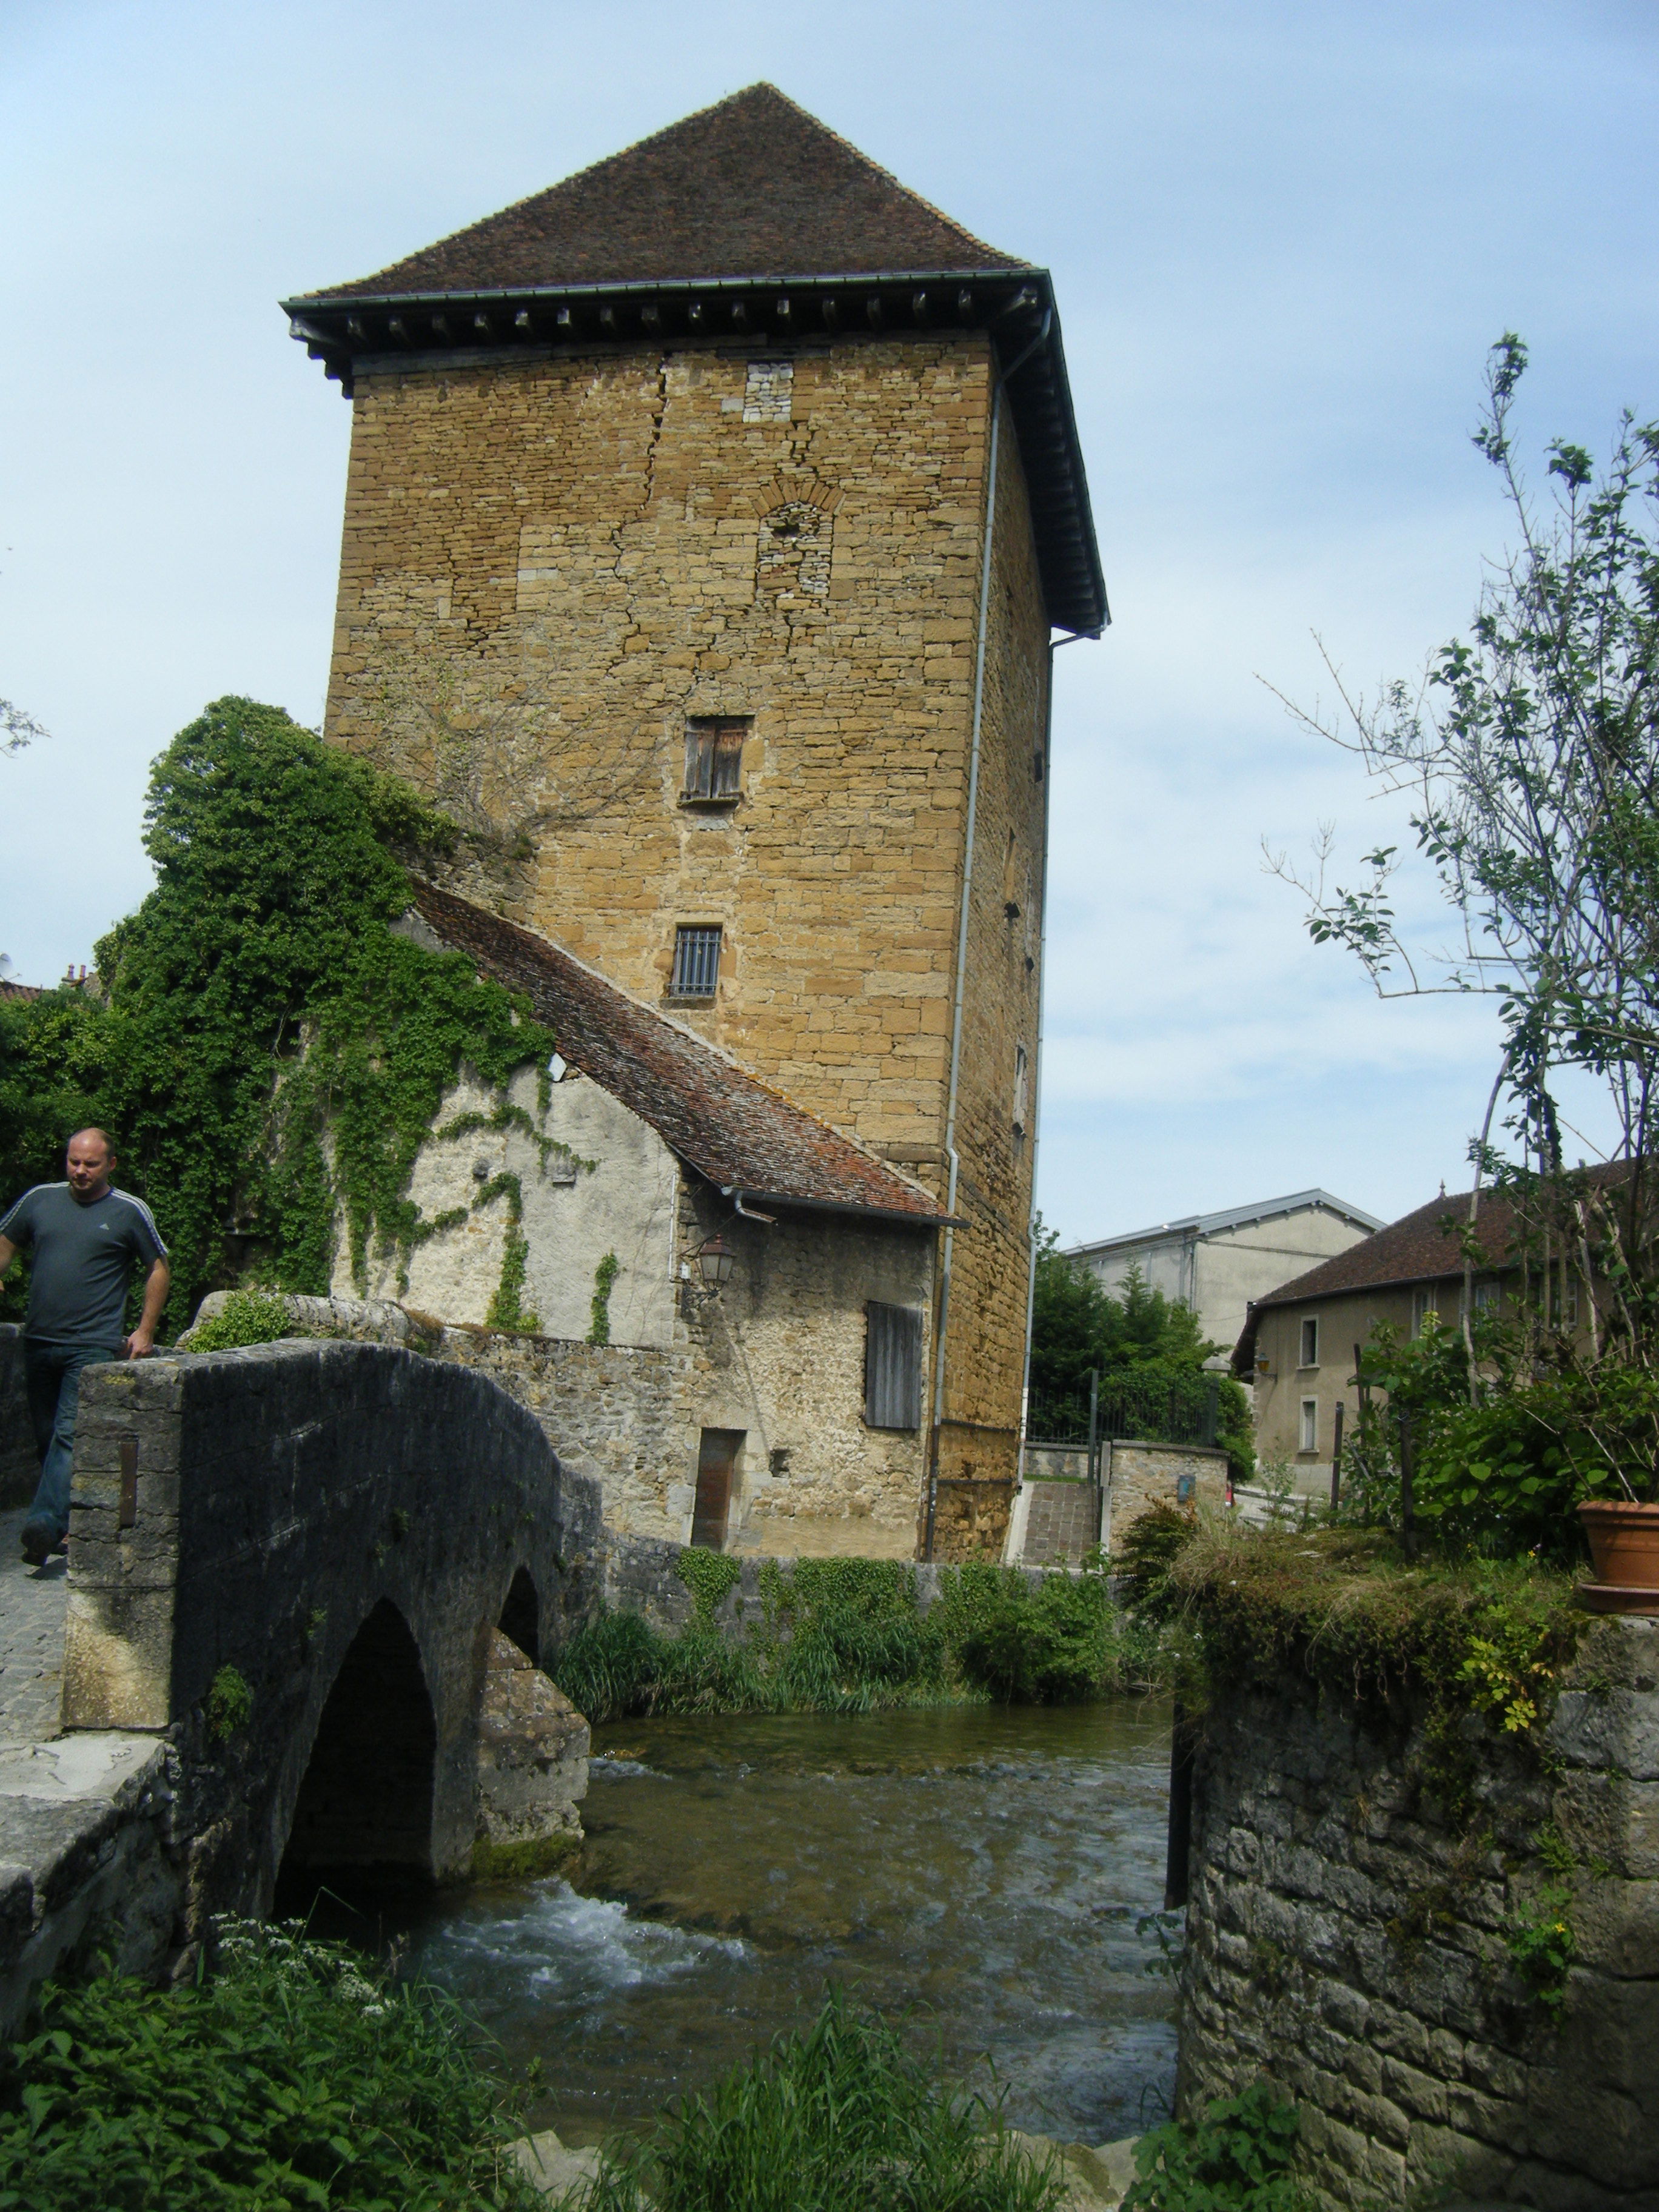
[
  {"x": 753, "y": 187},
  {"x": 728, "y": 1125}
]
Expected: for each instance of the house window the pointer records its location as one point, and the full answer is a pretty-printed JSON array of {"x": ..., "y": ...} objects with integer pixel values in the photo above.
[
  {"x": 1309, "y": 1436},
  {"x": 1563, "y": 1313},
  {"x": 1310, "y": 1342},
  {"x": 892, "y": 1366},
  {"x": 1019, "y": 1090},
  {"x": 1487, "y": 1297},
  {"x": 696, "y": 961},
  {"x": 714, "y": 755},
  {"x": 1425, "y": 1302}
]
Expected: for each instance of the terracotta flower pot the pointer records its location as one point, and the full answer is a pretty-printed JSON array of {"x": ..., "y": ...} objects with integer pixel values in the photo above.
[{"x": 1624, "y": 1541}]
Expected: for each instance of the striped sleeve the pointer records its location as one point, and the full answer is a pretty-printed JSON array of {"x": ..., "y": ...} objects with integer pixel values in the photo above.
[
  {"x": 17, "y": 1228},
  {"x": 148, "y": 1235}
]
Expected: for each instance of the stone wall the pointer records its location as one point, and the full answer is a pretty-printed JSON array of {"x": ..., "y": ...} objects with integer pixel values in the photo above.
[
  {"x": 1349, "y": 1940},
  {"x": 1140, "y": 1475},
  {"x": 254, "y": 1511},
  {"x": 19, "y": 1470},
  {"x": 562, "y": 560}
]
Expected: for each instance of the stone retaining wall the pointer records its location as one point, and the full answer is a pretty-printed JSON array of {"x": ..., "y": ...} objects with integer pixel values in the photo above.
[{"x": 1350, "y": 1941}]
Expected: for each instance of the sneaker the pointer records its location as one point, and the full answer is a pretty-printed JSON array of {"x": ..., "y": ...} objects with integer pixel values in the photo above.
[{"x": 39, "y": 1538}]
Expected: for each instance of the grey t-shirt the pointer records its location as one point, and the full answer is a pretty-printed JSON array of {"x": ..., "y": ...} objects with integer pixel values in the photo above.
[{"x": 83, "y": 1256}]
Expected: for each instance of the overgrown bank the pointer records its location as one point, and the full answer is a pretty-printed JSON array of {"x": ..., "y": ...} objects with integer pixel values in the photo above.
[{"x": 856, "y": 1635}]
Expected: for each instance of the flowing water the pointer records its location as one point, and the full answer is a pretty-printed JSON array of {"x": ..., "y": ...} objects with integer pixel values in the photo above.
[{"x": 982, "y": 1867}]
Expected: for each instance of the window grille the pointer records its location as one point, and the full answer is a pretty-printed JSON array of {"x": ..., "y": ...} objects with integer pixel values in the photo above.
[
  {"x": 713, "y": 756},
  {"x": 697, "y": 962},
  {"x": 1310, "y": 1341},
  {"x": 892, "y": 1366}
]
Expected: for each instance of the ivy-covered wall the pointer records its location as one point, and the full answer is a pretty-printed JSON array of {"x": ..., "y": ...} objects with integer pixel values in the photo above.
[{"x": 270, "y": 1055}]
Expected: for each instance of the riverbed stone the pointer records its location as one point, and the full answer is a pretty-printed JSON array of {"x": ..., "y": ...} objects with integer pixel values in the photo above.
[{"x": 548, "y": 2166}]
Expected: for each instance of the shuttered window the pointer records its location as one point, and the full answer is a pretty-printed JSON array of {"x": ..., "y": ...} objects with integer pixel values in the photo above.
[
  {"x": 892, "y": 1366},
  {"x": 713, "y": 756}
]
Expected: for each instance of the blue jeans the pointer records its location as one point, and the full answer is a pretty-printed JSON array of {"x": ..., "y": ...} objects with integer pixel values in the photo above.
[{"x": 53, "y": 1373}]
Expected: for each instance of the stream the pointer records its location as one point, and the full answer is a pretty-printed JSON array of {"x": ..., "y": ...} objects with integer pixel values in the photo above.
[{"x": 979, "y": 1868}]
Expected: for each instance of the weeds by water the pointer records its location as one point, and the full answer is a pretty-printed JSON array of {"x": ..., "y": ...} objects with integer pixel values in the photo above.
[
  {"x": 296, "y": 2074},
  {"x": 842, "y": 2119},
  {"x": 1238, "y": 2158},
  {"x": 848, "y": 1635}
]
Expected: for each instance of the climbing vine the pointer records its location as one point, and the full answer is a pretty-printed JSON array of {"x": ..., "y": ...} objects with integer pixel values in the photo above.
[
  {"x": 270, "y": 1053},
  {"x": 604, "y": 1276},
  {"x": 508, "y": 1309}
]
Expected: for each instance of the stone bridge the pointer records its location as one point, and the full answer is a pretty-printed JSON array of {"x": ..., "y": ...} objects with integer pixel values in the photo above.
[{"x": 307, "y": 1583}]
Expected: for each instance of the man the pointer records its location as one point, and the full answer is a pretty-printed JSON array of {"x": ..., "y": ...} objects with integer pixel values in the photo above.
[{"x": 86, "y": 1240}]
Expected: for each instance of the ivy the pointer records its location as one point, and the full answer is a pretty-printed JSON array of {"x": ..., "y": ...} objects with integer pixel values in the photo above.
[
  {"x": 268, "y": 1054},
  {"x": 604, "y": 1276},
  {"x": 508, "y": 1309},
  {"x": 710, "y": 1576}
]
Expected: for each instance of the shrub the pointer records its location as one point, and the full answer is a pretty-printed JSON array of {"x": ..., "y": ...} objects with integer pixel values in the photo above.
[
  {"x": 841, "y": 2116},
  {"x": 246, "y": 1317},
  {"x": 1505, "y": 1475},
  {"x": 295, "y": 2076},
  {"x": 1236, "y": 2159}
]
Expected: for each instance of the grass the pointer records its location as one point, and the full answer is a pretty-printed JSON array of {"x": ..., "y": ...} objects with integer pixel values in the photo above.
[
  {"x": 294, "y": 2075},
  {"x": 847, "y": 1636},
  {"x": 841, "y": 2118}
]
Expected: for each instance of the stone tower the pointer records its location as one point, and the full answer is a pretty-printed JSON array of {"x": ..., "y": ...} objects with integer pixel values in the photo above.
[{"x": 707, "y": 518}]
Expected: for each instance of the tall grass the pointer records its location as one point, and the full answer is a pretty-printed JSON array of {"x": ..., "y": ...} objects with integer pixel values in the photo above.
[
  {"x": 845, "y": 1636},
  {"x": 842, "y": 2119}
]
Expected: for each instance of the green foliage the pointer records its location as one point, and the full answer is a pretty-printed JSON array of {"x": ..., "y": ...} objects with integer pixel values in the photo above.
[
  {"x": 604, "y": 1276},
  {"x": 1540, "y": 1940},
  {"x": 843, "y": 2116},
  {"x": 710, "y": 1576},
  {"x": 1500, "y": 1476},
  {"x": 229, "y": 1704},
  {"x": 1238, "y": 2158},
  {"x": 265, "y": 1048},
  {"x": 246, "y": 1317},
  {"x": 1077, "y": 1324},
  {"x": 507, "y": 1307},
  {"x": 1151, "y": 1544},
  {"x": 293, "y": 2077},
  {"x": 848, "y": 1635}
]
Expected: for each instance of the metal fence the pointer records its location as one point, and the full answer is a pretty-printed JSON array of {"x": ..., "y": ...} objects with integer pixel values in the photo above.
[{"x": 1156, "y": 1409}]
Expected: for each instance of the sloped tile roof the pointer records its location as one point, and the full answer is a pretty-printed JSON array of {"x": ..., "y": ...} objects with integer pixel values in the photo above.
[
  {"x": 753, "y": 187},
  {"x": 728, "y": 1125},
  {"x": 1423, "y": 1247}
]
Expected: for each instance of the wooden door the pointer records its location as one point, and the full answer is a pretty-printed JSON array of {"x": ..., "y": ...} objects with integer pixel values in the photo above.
[{"x": 716, "y": 1460}]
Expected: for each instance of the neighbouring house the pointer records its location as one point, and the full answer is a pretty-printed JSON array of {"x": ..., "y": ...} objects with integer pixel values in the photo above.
[
  {"x": 708, "y": 519},
  {"x": 718, "y": 1302},
  {"x": 1218, "y": 1263},
  {"x": 1301, "y": 1341}
]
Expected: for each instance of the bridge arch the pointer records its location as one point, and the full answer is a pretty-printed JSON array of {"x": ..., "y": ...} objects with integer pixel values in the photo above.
[
  {"x": 364, "y": 1806},
  {"x": 366, "y": 1544}
]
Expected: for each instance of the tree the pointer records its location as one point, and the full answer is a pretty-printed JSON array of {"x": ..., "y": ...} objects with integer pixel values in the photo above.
[{"x": 1530, "y": 750}]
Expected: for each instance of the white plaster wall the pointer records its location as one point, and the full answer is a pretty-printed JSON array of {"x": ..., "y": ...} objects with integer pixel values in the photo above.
[
  {"x": 1231, "y": 1266},
  {"x": 618, "y": 1195}
]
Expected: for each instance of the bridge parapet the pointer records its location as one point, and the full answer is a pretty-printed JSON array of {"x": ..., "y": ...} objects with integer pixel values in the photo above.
[{"x": 258, "y": 1519}]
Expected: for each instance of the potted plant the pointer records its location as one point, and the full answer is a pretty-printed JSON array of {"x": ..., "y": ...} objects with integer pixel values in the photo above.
[{"x": 1623, "y": 1534}]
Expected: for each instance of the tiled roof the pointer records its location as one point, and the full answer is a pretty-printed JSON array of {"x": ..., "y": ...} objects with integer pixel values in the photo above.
[
  {"x": 753, "y": 187},
  {"x": 1423, "y": 1247},
  {"x": 733, "y": 1128}
]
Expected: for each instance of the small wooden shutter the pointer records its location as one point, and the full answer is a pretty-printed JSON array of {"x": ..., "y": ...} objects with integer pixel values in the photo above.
[{"x": 892, "y": 1366}]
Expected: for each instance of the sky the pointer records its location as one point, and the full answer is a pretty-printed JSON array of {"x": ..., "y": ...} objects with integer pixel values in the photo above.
[{"x": 1283, "y": 238}]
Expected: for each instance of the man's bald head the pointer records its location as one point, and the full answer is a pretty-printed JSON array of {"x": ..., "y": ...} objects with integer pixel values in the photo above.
[{"x": 90, "y": 1157}]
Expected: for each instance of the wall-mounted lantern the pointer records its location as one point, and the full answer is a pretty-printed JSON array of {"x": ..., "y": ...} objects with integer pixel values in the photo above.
[{"x": 714, "y": 1262}]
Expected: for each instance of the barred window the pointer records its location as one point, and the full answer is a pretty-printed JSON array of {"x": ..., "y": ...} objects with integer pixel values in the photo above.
[
  {"x": 696, "y": 961},
  {"x": 714, "y": 755},
  {"x": 892, "y": 1366}
]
